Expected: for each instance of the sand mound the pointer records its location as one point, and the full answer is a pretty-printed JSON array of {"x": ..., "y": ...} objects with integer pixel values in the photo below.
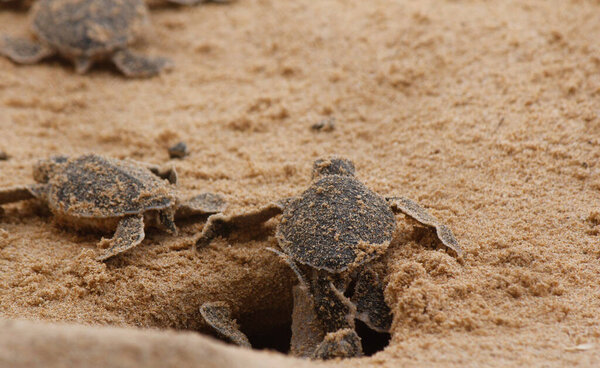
[{"x": 25, "y": 344}]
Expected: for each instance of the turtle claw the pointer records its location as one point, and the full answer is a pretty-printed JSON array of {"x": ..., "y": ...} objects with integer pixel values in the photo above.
[
  {"x": 218, "y": 316},
  {"x": 418, "y": 213},
  {"x": 130, "y": 233},
  {"x": 23, "y": 51},
  {"x": 139, "y": 66}
]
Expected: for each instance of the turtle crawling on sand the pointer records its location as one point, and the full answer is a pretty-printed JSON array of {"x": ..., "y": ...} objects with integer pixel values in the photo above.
[
  {"x": 329, "y": 236},
  {"x": 123, "y": 196},
  {"x": 86, "y": 31}
]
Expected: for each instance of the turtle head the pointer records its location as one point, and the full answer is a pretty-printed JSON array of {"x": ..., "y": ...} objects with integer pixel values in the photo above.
[
  {"x": 332, "y": 166},
  {"x": 44, "y": 169}
]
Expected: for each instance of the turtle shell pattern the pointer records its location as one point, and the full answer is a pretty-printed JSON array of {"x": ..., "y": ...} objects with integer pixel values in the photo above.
[
  {"x": 92, "y": 186},
  {"x": 336, "y": 223},
  {"x": 89, "y": 27}
]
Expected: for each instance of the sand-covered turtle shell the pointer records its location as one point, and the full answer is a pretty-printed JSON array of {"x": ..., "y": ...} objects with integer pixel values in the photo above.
[
  {"x": 89, "y": 27},
  {"x": 92, "y": 186},
  {"x": 336, "y": 223}
]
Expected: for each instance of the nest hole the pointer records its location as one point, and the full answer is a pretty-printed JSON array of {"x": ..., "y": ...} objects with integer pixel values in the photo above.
[
  {"x": 372, "y": 341},
  {"x": 278, "y": 338}
]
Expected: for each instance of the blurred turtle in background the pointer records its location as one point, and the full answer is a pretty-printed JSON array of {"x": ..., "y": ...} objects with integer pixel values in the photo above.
[
  {"x": 87, "y": 31},
  {"x": 123, "y": 196}
]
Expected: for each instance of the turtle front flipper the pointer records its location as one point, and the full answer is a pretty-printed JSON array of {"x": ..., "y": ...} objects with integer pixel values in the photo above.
[
  {"x": 371, "y": 307},
  {"x": 418, "y": 213},
  {"x": 221, "y": 225},
  {"x": 139, "y": 66},
  {"x": 130, "y": 233},
  {"x": 23, "y": 51},
  {"x": 202, "y": 204},
  {"x": 218, "y": 316},
  {"x": 15, "y": 194}
]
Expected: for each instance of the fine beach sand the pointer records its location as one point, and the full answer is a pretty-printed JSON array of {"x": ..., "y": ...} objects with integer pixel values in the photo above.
[{"x": 485, "y": 112}]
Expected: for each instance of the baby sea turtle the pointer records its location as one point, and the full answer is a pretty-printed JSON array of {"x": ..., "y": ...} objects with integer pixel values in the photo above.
[
  {"x": 86, "y": 31},
  {"x": 112, "y": 195},
  {"x": 329, "y": 235}
]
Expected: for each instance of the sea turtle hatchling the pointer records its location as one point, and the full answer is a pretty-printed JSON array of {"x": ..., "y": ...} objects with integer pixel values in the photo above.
[
  {"x": 93, "y": 191},
  {"x": 86, "y": 31},
  {"x": 329, "y": 236}
]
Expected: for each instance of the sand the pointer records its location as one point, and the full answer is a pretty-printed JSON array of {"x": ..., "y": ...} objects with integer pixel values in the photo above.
[{"x": 485, "y": 112}]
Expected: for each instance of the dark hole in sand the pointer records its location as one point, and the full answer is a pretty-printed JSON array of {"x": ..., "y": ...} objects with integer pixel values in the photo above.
[
  {"x": 372, "y": 341},
  {"x": 278, "y": 339}
]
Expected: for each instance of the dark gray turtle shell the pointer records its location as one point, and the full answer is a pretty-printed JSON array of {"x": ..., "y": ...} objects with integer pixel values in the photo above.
[
  {"x": 89, "y": 27},
  {"x": 92, "y": 186},
  {"x": 336, "y": 223}
]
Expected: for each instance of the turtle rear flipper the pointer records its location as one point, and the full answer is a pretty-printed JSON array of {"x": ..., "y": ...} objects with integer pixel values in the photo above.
[
  {"x": 370, "y": 303},
  {"x": 333, "y": 308},
  {"x": 23, "y": 51},
  {"x": 418, "y": 213},
  {"x": 139, "y": 66},
  {"x": 130, "y": 233},
  {"x": 218, "y": 316},
  {"x": 202, "y": 204}
]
